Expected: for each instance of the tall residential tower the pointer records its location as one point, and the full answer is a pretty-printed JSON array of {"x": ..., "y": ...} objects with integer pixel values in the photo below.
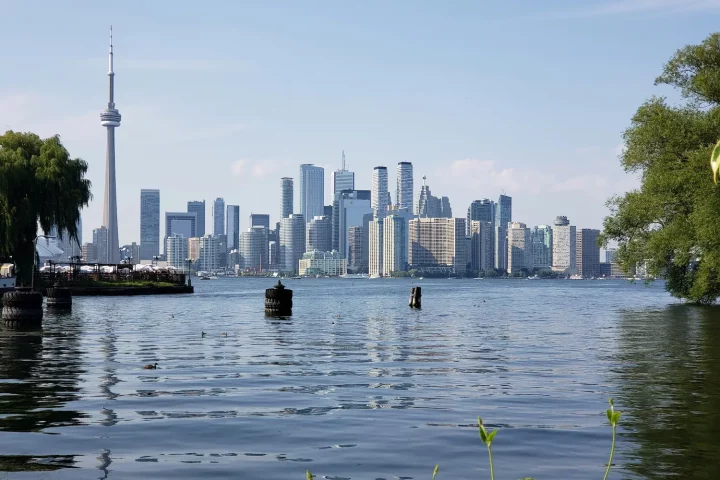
[
  {"x": 286, "y": 208},
  {"x": 149, "y": 224},
  {"x": 312, "y": 188},
  {"x": 110, "y": 119},
  {"x": 404, "y": 187}
]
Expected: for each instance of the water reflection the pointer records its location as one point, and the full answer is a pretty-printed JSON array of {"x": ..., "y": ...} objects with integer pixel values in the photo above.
[
  {"x": 39, "y": 373},
  {"x": 670, "y": 383}
]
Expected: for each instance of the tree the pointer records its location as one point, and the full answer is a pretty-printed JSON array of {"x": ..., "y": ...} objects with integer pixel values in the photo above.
[
  {"x": 39, "y": 185},
  {"x": 672, "y": 222}
]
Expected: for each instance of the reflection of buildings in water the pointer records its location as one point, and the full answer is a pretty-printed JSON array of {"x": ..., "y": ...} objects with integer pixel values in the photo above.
[
  {"x": 668, "y": 380},
  {"x": 109, "y": 378},
  {"x": 46, "y": 365},
  {"x": 104, "y": 462}
]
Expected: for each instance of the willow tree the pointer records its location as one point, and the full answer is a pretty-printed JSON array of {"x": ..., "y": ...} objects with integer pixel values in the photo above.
[
  {"x": 672, "y": 222},
  {"x": 40, "y": 185}
]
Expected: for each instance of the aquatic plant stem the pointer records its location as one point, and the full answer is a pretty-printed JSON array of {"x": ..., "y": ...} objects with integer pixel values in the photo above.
[
  {"x": 492, "y": 470},
  {"x": 612, "y": 452}
]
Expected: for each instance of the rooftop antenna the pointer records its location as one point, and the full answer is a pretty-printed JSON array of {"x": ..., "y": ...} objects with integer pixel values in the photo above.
[{"x": 343, "y": 159}]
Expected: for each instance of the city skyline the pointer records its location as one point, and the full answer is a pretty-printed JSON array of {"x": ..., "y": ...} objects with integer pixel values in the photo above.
[{"x": 376, "y": 118}]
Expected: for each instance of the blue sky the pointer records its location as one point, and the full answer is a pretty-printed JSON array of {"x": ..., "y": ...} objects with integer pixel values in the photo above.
[{"x": 222, "y": 98}]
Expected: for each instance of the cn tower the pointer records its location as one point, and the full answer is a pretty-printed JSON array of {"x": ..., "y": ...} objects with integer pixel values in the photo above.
[{"x": 110, "y": 118}]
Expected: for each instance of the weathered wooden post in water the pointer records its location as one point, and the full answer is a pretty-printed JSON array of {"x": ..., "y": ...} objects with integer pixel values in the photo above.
[
  {"x": 59, "y": 298},
  {"x": 278, "y": 301},
  {"x": 415, "y": 297}
]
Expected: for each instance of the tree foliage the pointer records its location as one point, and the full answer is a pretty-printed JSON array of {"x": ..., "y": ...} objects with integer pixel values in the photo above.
[
  {"x": 672, "y": 222},
  {"x": 39, "y": 185}
]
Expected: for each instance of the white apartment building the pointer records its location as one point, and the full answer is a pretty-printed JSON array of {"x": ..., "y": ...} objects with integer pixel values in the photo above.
[
  {"x": 176, "y": 247},
  {"x": 323, "y": 263},
  {"x": 519, "y": 248}
]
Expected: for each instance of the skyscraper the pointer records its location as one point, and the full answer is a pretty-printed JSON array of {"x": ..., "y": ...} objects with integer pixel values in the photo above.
[
  {"x": 404, "y": 187},
  {"x": 286, "y": 208},
  {"x": 260, "y": 220},
  {"x": 564, "y": 246},
  {"x": 480, "y": 210},
  {"x": 176, "y": 251},
  {"x": 519, "y": 248},
  {"x": 355, "y": 247},
  {"x": 503, "y": 211},
  {"x": 588, "y": 252},
  {"x": 100, "y": 240},
  {"x": 395, "y": 244},
  {"x": 445, "y": 209},
  {"x": 481, "y": 242},
  {"x": 375, "y": 247},
  {"x": 292, "y": 242},
  {"x": 149, "y": 224},
  {"x": 209, "y": 256},
  {"x": 379, "y": 199},
  {"x": 254, "y": 248},
  {"x": 429, "y": 206},
  {"x": 318, "y": 235},
  {"x": 542, "y": 246},
  {"x": 233, "y": 227},
  {"x": 342, "y": 179},
  {"x": 218, "y": 212},
  {"x": 351, "y": 209},
  {"x": 500, "y": 247},
  {"x": 110, "y": 119},
  {"x": 312, "y": 188},
  {"x": 199, "y": 209},
  {"x": 183, "y": 223}
]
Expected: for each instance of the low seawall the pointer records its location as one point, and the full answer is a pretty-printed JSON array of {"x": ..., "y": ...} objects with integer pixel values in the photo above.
[{"x": 128, "y": 291}]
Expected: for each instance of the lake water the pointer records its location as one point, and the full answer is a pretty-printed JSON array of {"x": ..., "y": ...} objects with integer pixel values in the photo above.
[{"x": 357, "y": 386}]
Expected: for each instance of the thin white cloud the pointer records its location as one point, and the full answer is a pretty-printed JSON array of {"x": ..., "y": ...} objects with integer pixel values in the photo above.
[
  {"x": 238, "y": 168},
  {"x": 637, "y": 7}
]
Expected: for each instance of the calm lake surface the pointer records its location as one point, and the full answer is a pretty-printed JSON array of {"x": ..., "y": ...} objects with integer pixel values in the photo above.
[{"x": 357, "y": 386}]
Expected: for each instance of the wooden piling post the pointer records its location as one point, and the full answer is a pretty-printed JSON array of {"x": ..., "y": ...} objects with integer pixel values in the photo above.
[{"x": 415, "y": 297}]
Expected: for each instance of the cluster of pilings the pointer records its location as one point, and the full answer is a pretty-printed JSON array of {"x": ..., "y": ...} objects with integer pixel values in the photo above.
[{"x": 23, "y": 307}]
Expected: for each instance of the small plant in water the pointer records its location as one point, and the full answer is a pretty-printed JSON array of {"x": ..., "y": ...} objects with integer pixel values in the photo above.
[{"x": 487, "y": 438}]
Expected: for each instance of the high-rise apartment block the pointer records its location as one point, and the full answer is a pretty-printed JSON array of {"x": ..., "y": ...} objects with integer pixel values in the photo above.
[
  {"x": 233, "y": 227},
  {"x": 480, "y": 210},
  {"x": 395, "y": 244},
  {"x": 500, "y": 247},
  {"x": 588, "y": 252},
  {"x": 286, "y": 203},
  {"x": 254, "y": 249},
  {"x": 260, "y": 220},
  {"x": 438, "y": 242},
  {"x": 375, "y": 248},
  {"x": 503, "y": 211},
  {"x": 292, "y": 242},
  {"x": 209, "y": 253},
  {"x": 404, "y": 187},
  {"x": 564, "y": 246},
  {"x": 318, "y": 235},
  {"x": 198, "y": 207},
  {"x": 149, "y": 224},
  {"x": 355, "y": 249},
  {"x": 481, "y": 242},
  {"x": 176, "y": 249},
  {"x": 379, "y": 199},
  {"x": 542, "y": 246},
  {"x": 89, "y": 253},
  {"x": 194, "y": 249},
  {"x": 351, "y": 207},
  {"x": 519, "y": 248},
  {"x": 100, "y": 240},
  {"x": 317, "y": 262},
  {"x": 181, "y": 223},
  {"x": 312, "y": 191},
  {"x": 218, "y": 213}
]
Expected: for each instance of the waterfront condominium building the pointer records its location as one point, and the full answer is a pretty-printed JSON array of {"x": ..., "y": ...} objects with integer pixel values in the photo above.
[
  {"x": 260, "y": 220},
  {"x": 375, "y": 247},
  {"x": 588, "y": 252},
  {"x": 100, "y": 240},
  {"x": 503, "y": 211},
  {"x": 500, "y": 247},
  {"x": 292, "y": 242},
  {"x": 342, "y": 179},
  {"x": 318, "y": 235},
  {"x": 355, "y": 249},
  {"x": 182, "y": 223},
  {"x": 404, "y": 186},
  {"x": 395, "y": 244},
  {"x": 233, "y": 227},
  {"x": 480, "y": 210},
  {"x": 312, "y": 188},
  {"x": 176, "y": 248},
  {"x": 564, "y": 246},
  {"x": 199, "y": 209},
  {"x": 379, "y": 198},
  {"x": 316, "y": 262},
  {"x": 286, "y": 201},
  {"x": 254, "y": 249},
  {"x": 209, "y": 256},
  {"x": 481, "y": 241},
  {"x": 218, "y": 212},
  {"x": 542, "y": 246},
  {"x": 519, "y": 248},
  {"x": 438, "y": 242},
  {"x": 149, "y": 224}
]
